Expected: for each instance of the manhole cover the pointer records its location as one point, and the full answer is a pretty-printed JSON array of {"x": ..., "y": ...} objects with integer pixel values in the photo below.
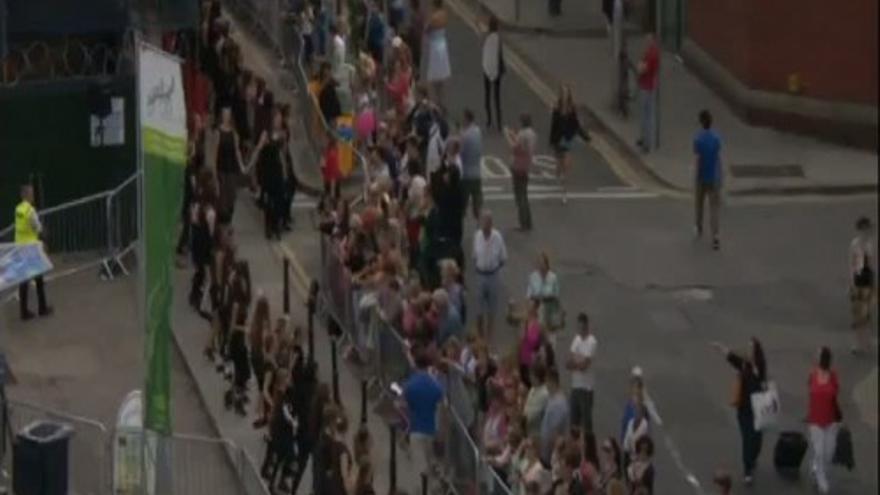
[{"x": 757, "y": 171}]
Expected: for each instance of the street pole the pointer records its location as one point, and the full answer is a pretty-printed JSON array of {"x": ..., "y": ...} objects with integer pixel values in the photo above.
[
  {"x": 286, "y": 292},
  {"x": 659, "y": 36}
]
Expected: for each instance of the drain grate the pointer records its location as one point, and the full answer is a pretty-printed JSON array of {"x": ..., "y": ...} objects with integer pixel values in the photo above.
[{"x": 755, "y": 171}]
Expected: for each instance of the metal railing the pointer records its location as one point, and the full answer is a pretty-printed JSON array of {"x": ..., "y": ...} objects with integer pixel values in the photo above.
[
  {"x": 386, "y": 356},
  {"x": 278, "y": 28},
  {"x": 105, "y": 461},
  {"x": 96, "y": 229}
]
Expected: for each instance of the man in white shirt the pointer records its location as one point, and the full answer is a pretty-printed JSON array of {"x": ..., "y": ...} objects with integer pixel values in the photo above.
[
  {"x": 583, "y": 379},
  {"x": 489, "y": 254}
]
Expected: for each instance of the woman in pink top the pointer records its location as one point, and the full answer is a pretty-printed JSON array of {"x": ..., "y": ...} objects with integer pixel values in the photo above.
[
  {"x": 529, "y": 344},
  {"x": 823, "y": 417}
]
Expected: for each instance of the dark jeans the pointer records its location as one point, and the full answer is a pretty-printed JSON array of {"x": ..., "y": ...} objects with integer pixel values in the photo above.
[
  {"x": 490, "y": 87},
  {"x": 472, "y": 191},
  {"x": 555, "y": 7},
  {"x": 751, "y": 440},
  {"x": 23, "y": 291},
  {"x": 582, "y": 409},
  {"x": 521, "y": 195}
]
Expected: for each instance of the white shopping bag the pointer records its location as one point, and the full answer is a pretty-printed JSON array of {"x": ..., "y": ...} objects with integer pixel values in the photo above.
[{"x": 766, "y": 406}]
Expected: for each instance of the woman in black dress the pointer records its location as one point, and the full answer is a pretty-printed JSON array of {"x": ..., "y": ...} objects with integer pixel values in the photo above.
[
  {"x": 238, "y": 351},
  {"x": 272, "y": 155},
  {"x": 229, "y": 164},
  {"x": 203, "y": 217},
  {"x": 564, "y": 126}
]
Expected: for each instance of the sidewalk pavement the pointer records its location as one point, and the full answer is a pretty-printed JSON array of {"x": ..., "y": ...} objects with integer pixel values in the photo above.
[
  {"x": 757, "y": 160},
  {"x": 83, "y": 361},
  {"x": 191, "y": 333},
  {"x": 579, "y": 19},
  {"x": 306, "y": 159},
  {"x": 260, "y": 60}
]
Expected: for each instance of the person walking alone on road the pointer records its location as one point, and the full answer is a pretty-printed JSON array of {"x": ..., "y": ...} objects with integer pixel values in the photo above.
[
  {"x": 471, "y": 165},
  {"x": 823, "y": 418},
  {"x": 522, "y": 142},
  {"x": 564, "y": 125},
  {"x": 439, "y": 69},
  {"x": 861, "y": 291},
  {"x": 28, "y": 230},
  {"x": 751, "y": 377},
  {"x": 648, "y": 70},
  {"x": 583, "y": 379},
  {"x": 707, "y": 147},
  {"x": 493, "y": 69}
]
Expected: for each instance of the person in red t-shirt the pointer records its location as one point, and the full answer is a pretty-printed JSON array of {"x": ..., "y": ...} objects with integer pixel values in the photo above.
[
  {"x": 823, "y": 417},
  {"x": 330, "y": 168},
  {"x": 648, "y": 70}
]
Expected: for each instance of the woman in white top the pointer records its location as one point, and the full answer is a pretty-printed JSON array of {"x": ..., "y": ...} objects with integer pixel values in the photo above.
[
  {"x": 544, "y": 289},
  {"x": 493, "y": 69},
  {"x": 861, "y": 283},
  {"x": 636, "y": 428},
  {"x": 439, "y": 69}
]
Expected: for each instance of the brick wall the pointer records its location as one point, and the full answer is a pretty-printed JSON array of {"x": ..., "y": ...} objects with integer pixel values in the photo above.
[{"x": 831, "y": 45}]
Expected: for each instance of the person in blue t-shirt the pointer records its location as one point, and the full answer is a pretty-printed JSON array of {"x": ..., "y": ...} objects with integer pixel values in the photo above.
[
  {"x": 422, "y": 394},
  {"x": 707, "y": 147}
]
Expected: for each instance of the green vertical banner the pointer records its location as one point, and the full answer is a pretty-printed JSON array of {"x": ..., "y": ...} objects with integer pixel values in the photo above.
[{"x": 163, "y": 137}]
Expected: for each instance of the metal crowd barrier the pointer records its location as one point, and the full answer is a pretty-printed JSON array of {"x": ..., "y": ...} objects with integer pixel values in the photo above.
[
  {"x": 388, "y": 360},
  {"x": 276, "y": 25},
  {"x": 105, "y": 461},
  {"x": 97, "y": 229}
]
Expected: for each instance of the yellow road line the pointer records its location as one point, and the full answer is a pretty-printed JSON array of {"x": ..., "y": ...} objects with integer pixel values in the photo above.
[{"x": 618, "y": 164}]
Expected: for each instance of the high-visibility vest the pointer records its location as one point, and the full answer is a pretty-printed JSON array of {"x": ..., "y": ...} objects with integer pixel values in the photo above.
[{"x": 24, "y": 230}]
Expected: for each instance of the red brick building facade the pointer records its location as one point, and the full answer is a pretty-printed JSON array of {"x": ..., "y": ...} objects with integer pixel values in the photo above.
[{"x": 819, "y": 56}]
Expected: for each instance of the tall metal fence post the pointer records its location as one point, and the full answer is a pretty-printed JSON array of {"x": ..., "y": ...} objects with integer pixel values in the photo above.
[
  {"x": 286, "y": 286},
  {"x": 334, "y": 362},
  {"x": 392, "y": 473},
  {"x": 363, "y": 401},
  {"x": 312, "y": 306}
]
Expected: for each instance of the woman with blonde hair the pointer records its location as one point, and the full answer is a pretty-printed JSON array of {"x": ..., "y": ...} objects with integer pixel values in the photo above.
[{"x": 564, "y": 126}]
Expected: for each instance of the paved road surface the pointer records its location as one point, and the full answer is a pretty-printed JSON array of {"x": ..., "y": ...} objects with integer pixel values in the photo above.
[{"x": 658, "y": 298}]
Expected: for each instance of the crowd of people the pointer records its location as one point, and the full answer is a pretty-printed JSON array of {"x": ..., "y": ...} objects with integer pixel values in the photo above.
[
  {"x": 402, "y": 248},
  {"x": 270, "y": 377}
]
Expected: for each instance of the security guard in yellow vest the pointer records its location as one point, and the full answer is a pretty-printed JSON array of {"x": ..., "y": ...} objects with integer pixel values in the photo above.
[{"x": 27, "y": 230}]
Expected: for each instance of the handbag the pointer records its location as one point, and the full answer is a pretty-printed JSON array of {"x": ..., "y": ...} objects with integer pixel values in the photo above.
[
  {"x": 555, "y": 315},
  {"x": 843, "y": 449},
  {"x": 766, "y": 406}
]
